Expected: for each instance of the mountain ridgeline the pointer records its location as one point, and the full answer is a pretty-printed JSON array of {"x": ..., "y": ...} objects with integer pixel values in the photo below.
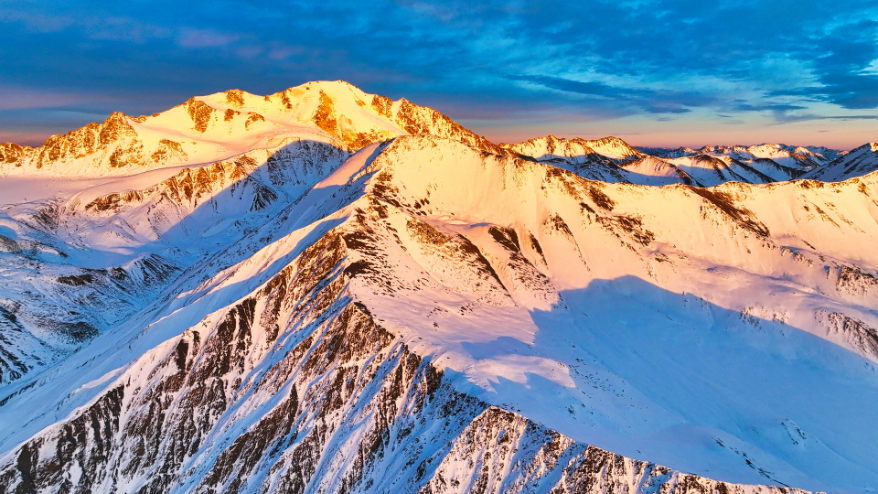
[{"x": 328, "y": 291}]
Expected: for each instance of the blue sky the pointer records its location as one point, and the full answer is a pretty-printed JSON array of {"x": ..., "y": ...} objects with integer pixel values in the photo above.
[{"x": 663, "y": 73}]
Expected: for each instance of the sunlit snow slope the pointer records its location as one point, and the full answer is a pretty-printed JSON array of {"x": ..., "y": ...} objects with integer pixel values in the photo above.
[{"x": 431, "y": 313}]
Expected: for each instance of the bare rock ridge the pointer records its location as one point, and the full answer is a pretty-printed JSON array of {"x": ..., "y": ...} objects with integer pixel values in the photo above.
[{"x": 322, "y": 290}]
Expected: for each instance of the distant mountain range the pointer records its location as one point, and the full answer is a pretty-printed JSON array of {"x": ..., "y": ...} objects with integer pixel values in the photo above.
[
  {"x": 225, "y": 124},
  {"x": 326, "y": 291}
]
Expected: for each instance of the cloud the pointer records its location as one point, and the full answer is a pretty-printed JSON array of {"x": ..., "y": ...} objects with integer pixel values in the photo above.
[
  {"x": 35, "y": 20},
  {"x": 205, "y": 38},
  {"x": 15, "y": 97},
  {"x": 742, "y": 106},
  {"x": 849, "y": 117},
  {"x": 561, "y": 84},
  {"x": 647, "y": 100},
  {"x": 490, "y": 61},
  {"x": 842, "y": 62}
]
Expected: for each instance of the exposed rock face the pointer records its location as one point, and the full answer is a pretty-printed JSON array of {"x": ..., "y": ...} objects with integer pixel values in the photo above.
[
  {"x": 235, "y": 97},
  {"x": 114, "y": 142},
  {"x": 422, "y": 120},
  {"x": 855, "y": 333},
  {"x": 12, "y": 153},
  {"x": 411, "y": 118},
  {"x": 201, "y": 114},
  {"x": 169, "y": 151}
]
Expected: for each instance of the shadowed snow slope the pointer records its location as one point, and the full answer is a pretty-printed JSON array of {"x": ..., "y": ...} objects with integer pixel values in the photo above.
[{"x": 428, "y": 315}]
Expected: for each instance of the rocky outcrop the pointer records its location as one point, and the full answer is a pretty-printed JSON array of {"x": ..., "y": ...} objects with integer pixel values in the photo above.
[
  {"x": 411, "y": 118},
  {"x": 114, "y": 142},
  {"x": 201, "y": 114},
  {"x": 422, "y": 120},
  {"x": 11, "y": 153},
  {"x": 853, "y": 332}
]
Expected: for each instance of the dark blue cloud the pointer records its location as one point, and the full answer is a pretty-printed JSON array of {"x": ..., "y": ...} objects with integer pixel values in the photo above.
[
  {"x": 840, "y": 61},
  {"x": 488, "y": 61},
  {"x": 625, "y": 98}
]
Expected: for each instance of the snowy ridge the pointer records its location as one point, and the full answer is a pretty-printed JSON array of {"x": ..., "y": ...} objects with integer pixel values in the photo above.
[
  {"x": 605, "y": 160},
  {"x": 858, "y": 162},
  {"x": 223, "y": 125},
  {"x": 433, "y": 314},
  {"x": 576, "y": 151}
]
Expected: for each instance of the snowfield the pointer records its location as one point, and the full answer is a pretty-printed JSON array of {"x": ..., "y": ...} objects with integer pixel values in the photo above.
[{"x": 323, "y": 290}]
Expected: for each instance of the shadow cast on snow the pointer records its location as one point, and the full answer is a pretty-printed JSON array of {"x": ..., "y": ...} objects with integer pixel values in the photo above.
[{"x": 677, "y": 380}]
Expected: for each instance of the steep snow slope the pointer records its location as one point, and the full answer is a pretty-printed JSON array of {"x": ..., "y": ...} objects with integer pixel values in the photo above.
[
  {"x": 76, "y": 267},
  {"x": 858, "y": 162},
  {"x": 432, "y": 317},
  {"x": 223, "y": 125}
]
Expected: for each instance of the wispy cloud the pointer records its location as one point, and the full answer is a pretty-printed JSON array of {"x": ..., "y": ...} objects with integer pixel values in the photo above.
[
  {"x": 205, "y": 38},
  {"x": 15, "y": 97},
  {"x": 645, "y": 99}
]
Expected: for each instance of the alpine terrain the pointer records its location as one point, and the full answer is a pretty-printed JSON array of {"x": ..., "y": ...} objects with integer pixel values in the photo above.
[{"x": 328, "y": 291}]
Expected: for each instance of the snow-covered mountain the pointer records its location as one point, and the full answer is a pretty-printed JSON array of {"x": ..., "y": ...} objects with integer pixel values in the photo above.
[
  {"x": 219, "y": 126},
  {"x": 419, "y": 310},
  {"x": 858, "y": 162},
  {"x": 606, "y": 159},
  {"x": 576, "y": 151}
]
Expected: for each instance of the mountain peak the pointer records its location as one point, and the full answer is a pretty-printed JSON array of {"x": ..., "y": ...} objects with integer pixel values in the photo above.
[{"x": 228, "y": 123}]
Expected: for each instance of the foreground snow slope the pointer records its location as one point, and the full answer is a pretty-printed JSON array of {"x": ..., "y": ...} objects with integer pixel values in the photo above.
[{"x": 426, "y": 316}]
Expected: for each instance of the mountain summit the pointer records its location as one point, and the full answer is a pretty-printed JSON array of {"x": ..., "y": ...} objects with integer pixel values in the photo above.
[
  {"x": 221, "y": 125},
  {"x": 358, "y": 295}
]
